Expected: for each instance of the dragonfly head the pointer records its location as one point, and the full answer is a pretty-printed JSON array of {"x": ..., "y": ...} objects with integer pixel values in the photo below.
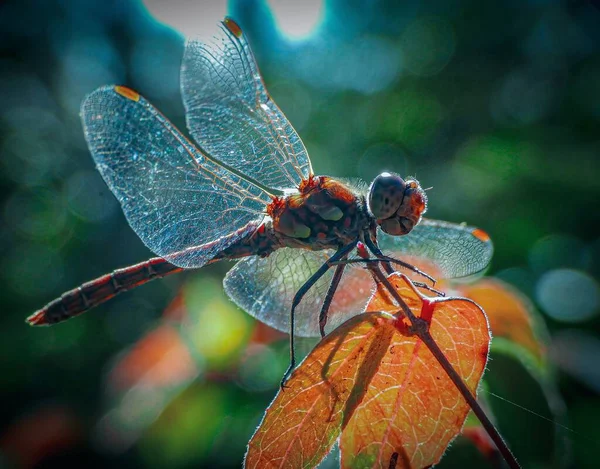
[{"x": 396, "y": 204}]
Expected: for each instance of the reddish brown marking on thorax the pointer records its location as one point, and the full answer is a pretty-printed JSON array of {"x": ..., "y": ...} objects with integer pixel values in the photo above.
[
  {"x": 338, "y": 191},
  {"x": 276, "y": 207},
  {"x": 309, "y": 184}
]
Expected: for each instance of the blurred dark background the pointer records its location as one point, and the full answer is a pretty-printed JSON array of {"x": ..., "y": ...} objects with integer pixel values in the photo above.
[{"x": 495, "y": 106}]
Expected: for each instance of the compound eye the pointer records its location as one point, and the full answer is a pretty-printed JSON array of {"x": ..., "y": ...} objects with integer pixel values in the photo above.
[{"x": 385, "y": 195}]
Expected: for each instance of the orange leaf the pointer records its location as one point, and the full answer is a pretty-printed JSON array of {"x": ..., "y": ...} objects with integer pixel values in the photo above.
[
  {"x": 303, "y": 422},
  {"x": 411, "y": 410},
  {"x": 378, "y": 386}
]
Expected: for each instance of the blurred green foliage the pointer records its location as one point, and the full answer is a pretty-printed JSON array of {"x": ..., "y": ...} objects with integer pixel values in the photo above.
[{"x": 495, "y": 106}]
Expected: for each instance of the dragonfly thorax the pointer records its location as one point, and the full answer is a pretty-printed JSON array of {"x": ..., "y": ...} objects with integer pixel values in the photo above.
[
  {"x": 324, "y": 213},
  {"x": 396, "y": 204}
]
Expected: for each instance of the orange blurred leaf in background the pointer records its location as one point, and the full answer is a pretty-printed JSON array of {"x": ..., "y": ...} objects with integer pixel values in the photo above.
[
  {"x": 509, "y": 312},
  {"x": 49, "y": 430},
  {"x": 160, "y": 358}
]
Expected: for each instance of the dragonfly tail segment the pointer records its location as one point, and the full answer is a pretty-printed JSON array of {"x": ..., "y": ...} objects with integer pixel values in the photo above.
[
  {"x": 253, "y": 240},
  {"x": 95, "y": 292}
]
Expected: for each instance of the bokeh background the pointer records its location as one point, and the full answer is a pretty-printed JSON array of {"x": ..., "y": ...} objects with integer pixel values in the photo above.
[{"x": 494, "y": 105}]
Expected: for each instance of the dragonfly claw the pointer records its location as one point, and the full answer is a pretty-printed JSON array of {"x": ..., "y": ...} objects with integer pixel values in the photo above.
[{"x": 286, "y": 376}]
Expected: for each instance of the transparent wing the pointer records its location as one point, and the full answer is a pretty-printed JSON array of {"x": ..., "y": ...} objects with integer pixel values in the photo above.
[
  {"x": 456, "y": 250},
  {"x": 182, "y": 205},
  {"x": 265, "y": 287},
  {"x": 232, "y": 117}
]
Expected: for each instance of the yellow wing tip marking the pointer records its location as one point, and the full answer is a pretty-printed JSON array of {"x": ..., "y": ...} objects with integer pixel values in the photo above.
[
  {"x": 127, "y": 93},
  {"x": 481, "y": 235},
  {"x": 233, "y": 27}
]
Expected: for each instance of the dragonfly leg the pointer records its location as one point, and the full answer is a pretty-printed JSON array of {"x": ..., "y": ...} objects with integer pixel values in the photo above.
[
  {"x": 333, "y": 286},
  {"x": 424, "y": 286},
  {"x": 340, "y": 253},
  {"x": 380, "y": 262},
  {"x": 387, "y": 261}
]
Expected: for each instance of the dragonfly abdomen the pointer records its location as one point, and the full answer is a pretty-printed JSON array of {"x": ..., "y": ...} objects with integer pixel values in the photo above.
[{"x": 91, "y": 294}]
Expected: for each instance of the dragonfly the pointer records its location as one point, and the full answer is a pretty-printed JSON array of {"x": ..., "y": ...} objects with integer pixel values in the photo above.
[{"x": 247, "y": 192}]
